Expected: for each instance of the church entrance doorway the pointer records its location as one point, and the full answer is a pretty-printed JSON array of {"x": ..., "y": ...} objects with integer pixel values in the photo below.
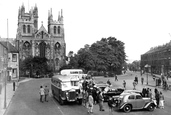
[{"x": 42, "y": 48}]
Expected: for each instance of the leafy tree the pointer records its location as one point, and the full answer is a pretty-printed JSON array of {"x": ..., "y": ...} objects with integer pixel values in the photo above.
[
  {"x": 35, "y": 65},
  {"x": 108, "y": 54},
  {"x": 85, "y": 58}
]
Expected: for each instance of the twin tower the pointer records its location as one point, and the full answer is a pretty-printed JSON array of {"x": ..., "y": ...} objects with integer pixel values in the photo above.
[{"x": 34, "y": 41}]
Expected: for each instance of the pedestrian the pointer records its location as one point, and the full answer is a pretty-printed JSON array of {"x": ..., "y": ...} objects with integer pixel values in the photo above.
[
  {"x": 161, "y": 100},
  {"x": 136, "y": 79},
  {"x": 116, "y": 78},
  {"x": 150, "y": 94},
  {"x": 101, "y": 99},
  {"x": 41, "y": 92},
  {"x": 108, "y": 82},
  {"x": 157, "y": 97},
  {"x": 142, "y": 80},
  {"x": 46, "y": 91},
  {"x": 124, "y": 84},
  {"x": 13, "y": 85},
  {"x": 90, "y": 103},
  {"x": 134, "y": 85},
  {"x": 143, "y": 92},
  {"x": 147, "y": 93},
  {"x": 111, "y": 104}
]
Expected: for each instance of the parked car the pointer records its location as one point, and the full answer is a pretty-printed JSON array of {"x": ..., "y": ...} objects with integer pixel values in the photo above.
[
  {"x": 134, "y": 101},
  {"x": 112, "y": 92}
]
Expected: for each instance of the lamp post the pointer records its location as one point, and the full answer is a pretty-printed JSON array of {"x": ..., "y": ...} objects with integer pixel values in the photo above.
[{"x": 146, "y": 66}]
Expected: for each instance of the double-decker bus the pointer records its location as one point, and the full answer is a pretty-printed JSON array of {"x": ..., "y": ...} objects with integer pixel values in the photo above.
[{"x": 66, "y": 88}]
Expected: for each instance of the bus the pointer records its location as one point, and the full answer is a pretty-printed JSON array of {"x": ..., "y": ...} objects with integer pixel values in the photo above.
[
  {"x": 78, "y": 72},
  {"x": 66, "y": 88}
]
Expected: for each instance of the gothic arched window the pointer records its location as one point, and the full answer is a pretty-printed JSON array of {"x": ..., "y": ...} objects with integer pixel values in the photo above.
[
  {"x": 24, "y": 28},
  {"x": 57, "y": 46},
  {"x": 59, "y": 29},
  {"x": 28, "y": 28},
  {"x": 54, "y": 29}
]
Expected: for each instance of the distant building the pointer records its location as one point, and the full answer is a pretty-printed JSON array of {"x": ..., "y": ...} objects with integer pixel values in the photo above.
[
  {"x": 32, "y": 41},
  {"x": 12, "y": 61},
  {"x": 158, "y": 59}
]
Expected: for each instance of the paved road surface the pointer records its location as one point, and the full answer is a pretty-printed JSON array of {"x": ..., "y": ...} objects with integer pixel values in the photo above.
[{"x": 26, "y": 101}]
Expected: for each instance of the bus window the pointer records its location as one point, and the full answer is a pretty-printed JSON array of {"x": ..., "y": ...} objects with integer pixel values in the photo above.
[{"x": 74, "y": 72}]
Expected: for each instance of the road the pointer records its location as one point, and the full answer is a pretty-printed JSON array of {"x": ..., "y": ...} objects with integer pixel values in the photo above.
[{"x": 26, "y": 101}]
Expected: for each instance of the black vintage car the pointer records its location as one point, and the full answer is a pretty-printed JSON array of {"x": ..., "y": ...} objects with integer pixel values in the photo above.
[
  {"x": 112, "y": 92},
  {"x": 108, "y": 91}
]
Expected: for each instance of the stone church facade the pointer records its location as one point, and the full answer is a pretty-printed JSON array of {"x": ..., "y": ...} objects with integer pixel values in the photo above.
[{"x": 32, "y": 41}]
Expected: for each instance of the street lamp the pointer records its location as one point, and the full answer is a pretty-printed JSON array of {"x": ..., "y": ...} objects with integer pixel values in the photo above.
[{"x": 146, "y": 66}]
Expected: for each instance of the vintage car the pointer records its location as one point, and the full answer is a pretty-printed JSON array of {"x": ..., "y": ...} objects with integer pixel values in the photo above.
[
  {"x": 134, "y": 101},
  {"x": 112, "y": 92}
]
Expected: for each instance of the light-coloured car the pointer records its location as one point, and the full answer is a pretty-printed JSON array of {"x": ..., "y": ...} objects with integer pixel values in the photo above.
[{"x": 133, "y": 101}]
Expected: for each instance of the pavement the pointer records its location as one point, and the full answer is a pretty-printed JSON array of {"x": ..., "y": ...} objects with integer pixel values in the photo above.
[{"x": 9, "y": 94}]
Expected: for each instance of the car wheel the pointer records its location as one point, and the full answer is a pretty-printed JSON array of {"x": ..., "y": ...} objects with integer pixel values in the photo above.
[
  {"x": 151, "y": 107},
  {"x": 127, "y": 108}
]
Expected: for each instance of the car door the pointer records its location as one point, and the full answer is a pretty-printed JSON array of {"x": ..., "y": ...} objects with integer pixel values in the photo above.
[
  {"x": 139, "y": 102},
  {"x": 132, "y": 101}
]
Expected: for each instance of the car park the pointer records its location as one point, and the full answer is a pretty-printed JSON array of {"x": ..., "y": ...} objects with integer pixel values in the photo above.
[{"x": 134, "y": 101}]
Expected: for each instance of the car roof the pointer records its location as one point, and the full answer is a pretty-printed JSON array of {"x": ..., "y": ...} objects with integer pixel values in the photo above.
[{"x": 131, "y": 91}]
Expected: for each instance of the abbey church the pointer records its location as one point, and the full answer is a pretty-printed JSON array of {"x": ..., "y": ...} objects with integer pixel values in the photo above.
[{"x": 34, "y": 41}]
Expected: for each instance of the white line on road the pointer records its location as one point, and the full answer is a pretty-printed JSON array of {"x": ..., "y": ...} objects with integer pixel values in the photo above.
[{"x": 56, "y": 104}]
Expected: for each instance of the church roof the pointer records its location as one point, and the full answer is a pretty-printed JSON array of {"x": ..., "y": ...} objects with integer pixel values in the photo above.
[{"x": 42, "y": 28}]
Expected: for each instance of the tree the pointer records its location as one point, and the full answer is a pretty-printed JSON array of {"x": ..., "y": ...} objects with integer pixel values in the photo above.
[
  {"x": 35, "y": 65},
  {"x": 109, "y": 54}
]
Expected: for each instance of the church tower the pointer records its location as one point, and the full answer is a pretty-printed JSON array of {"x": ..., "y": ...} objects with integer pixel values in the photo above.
[
  {"x": 32, "y": 41},
  {"x": 56, "y": 31}
]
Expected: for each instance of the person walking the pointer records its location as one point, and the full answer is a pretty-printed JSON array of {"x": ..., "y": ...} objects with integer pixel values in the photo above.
[
  {"x": 142, "y": 80},
  {"x": 157, "y": 97},
  {"x": 90, "y": 103},
  {"x": 101, "y": 99},
  {"x": 124, "y": 84},
  {"x": 134, "y": 85},
  {"x": 161, "y": 100},
  {"x": 13, "y": 85},
  {"x": 46, "y": 91},
  {"x": 116, "y": 78},
  {"x": 41, "y": 92}
]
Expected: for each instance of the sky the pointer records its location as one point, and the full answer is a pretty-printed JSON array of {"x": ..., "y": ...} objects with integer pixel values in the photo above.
[{"x": 140, "y": 24}]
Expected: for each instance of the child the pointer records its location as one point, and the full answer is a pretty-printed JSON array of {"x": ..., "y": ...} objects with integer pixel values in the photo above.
[{"x": 90, "y": 103}]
